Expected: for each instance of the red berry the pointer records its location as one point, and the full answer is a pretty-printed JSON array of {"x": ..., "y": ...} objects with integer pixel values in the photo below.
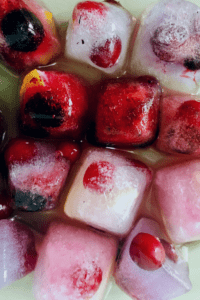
[
  {"x": 106, "y": 55},
  {"x": 83, "y": 8},
  {"x": 99, "y": 177},
  {"x": 87, "y": 281},
  {"x": 170, "y": 250},
  {"x": 5, "y": 206},
  {"x": 147, "y": 251},
  {"x": 189, "y": 112},
  {"x": 20, "y": 151},
  {"x": 70, "y": 151}
]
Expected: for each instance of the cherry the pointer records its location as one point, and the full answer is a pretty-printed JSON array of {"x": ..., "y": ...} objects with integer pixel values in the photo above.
[
  {"x": 20, "y": 150},
  {"x": 87, "y": 281},
  {"x": 147, "y": 251},
  {"x": 99, "y": 177},
  {"x": 170, "y": 250},
  {"x": 69, "y": 150},
  {"x": 189, "y": 111},
  {"x": 106, "y": 55}
]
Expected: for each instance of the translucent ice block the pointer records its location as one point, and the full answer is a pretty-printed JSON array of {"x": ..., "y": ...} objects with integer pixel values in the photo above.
[
  {"x": 167, "y": 45},
  {"x": 167, "y": 282},
  {"x": 99, "y": 34},
  {"x": 53, "y": 104},
  {"x": 180, "y": 125},
  {"x": 17, "y": 251},
  {"x": 73, "y": 264},
  {"x": 107, "y": 190},
  {"x": 36, "y": 173},
  {"x": 177, "y": 193},
  {"x": 28, "y": 34}
]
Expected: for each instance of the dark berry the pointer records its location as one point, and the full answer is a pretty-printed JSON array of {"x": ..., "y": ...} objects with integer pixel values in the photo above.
[
  {"x": 192, "y": 64},
  {"x": 29, "y": 201},
  {"x": 22, "y": 30},
  {"x": 44, "y": 110},
  {"x": 5, "y": 206}
]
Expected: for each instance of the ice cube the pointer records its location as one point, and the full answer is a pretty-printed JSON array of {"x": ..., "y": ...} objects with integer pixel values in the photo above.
[
  {"x": 37, "y": 172},
  {"x": 73, "y": 264},
  {"x": 168, "y": 281},
  {"x": 107, "y": 190},
  {"x": 17, "y": 251},
  {"x": 128, "y": 111},
  {"x": 53, "y": 104},
  {"x": 177, "y": 190},
  {"x": 180, "y": 125},
  {"x": 28, "y": 35},
  {"x": 167, "y": 45},
  {"x": 99, "y": 34}
]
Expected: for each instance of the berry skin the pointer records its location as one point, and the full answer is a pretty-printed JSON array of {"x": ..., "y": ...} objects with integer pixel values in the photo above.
[
  {"x": 147, "y": 251},
  {"x": 19, "y": 151},
  {"x": 26, "y": 32},
  {"x": 127, "y": 111},
  {"x": 106, "y": 54},
  {"x": 70, "y": 151},
  {"x": 99, "y": 177},
  {"x": 86, "y": 281}
]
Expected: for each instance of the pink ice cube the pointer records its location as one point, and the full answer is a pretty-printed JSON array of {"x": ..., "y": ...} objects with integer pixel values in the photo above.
[
  {"x": 177, "y": 190},
  {"x": 107, "y": 190},
  {"x": 17, "y": 251},
  {"x": 167, "y": 45},
  {"x": 37, "y": 172},
  {"x": 167, "y": 282},
  {"x": 73, "y": 264},
  {"x": 180, "y": 125},
  {"x": 99, "y": 34}
]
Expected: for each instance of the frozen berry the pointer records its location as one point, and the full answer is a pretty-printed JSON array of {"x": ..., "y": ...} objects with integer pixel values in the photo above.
[
  {"x": 5, "y": 205},
  {"x": 147, "y": 251},
  {"x": 69, "y": 150},
  {"x": 106, "y": 54},
  {"x": 87, "y": 281},
  {"x": 99, "y": 177},
  {"x": 19, "y": 151},
  {"x": 22, "y": 30}
]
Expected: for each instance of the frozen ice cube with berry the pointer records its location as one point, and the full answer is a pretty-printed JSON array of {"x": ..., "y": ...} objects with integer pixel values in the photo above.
[
  {"x": 177, "y": 190},
  {"x": 180, "y": 125},
  {"x": 53, "y": 104},
  {"x": 128, "y": 111},
  {"x": 18, "y": 256},
  {"x": 99, "y": 34},
  {"x": 37, "y": 172},
  {"x": 107, "y": 190},
  {"x": 28, "y": 35},
  {"x": 149, "y": 267},
  {"x": 74, "y": 264},
  {"x": 167, "y": 45}
]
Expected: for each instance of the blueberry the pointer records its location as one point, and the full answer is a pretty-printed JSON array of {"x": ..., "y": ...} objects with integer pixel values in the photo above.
[
  {"x": 192, "y": 64},
  {"x": 29, "y": 201},
  {"x": 22, "y": 30},
  {"x": 44, "y": 110}
]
